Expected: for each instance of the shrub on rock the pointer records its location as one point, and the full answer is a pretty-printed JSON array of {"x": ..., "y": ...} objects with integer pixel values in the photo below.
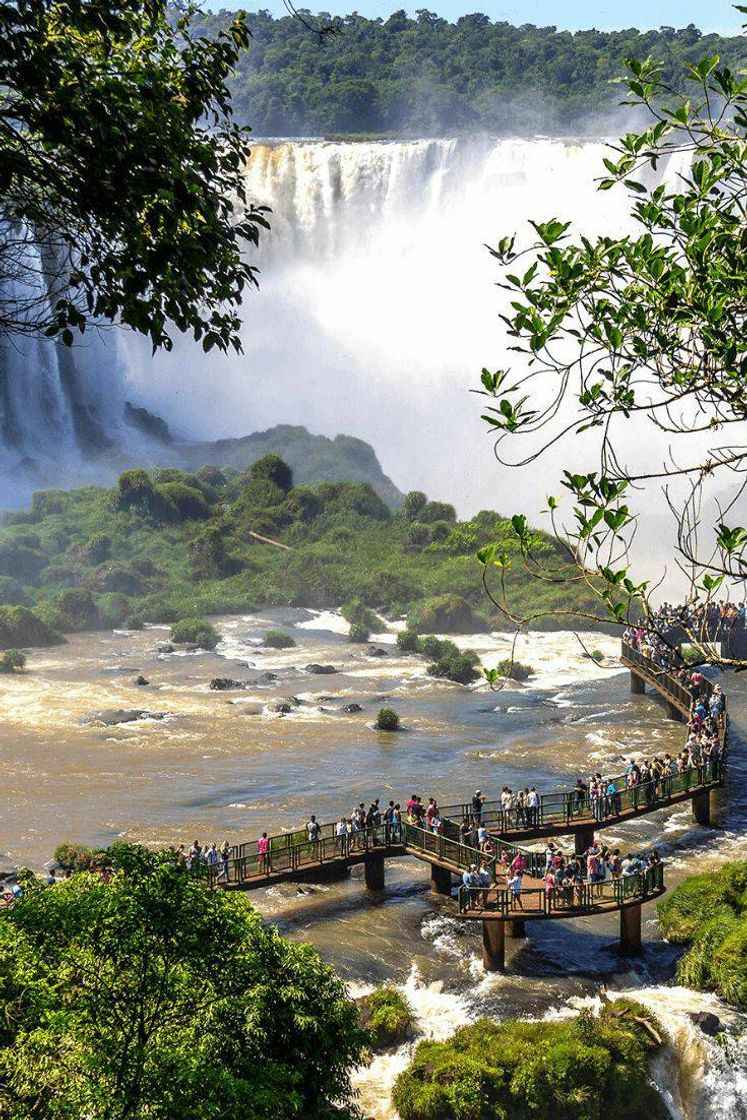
[
  {"x": 11, "y": 660},
  {"x": 387, "y": 1016},
  {"x": 458, "y": 667},
  {"x": 387, "y": 720},
  {"x": 514, "y": 670},
  {"x": 573, "y": 1069},
  {"x": 196, "y": 632},
  {"x": 407, "y": 641},
  {"x": 359, "y": 633},
  {"x": 278, "y": 639}
]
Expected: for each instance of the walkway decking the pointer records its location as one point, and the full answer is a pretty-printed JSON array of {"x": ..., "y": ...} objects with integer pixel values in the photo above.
[{"x": 292, "y": 857}]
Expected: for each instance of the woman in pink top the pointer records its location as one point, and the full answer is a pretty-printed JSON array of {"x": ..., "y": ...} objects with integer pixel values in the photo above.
[{"x": 263, "y": 849}]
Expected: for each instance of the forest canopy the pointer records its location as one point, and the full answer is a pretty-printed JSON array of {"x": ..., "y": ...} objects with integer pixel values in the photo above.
[{"x": 426, "y": 76}]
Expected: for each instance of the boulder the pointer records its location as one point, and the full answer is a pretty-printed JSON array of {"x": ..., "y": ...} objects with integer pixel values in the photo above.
[
  {"x": 320, "y": 670},
  {"x": 377, "y": 651},
  {"x": 226, "y": 684},
  {"x": 266, "y": 678},
  {"x": 350, "y": 708},
  {"x": 708, "y": 1022},
  {"x": 283, "y": 707},
  {"x": 110, "y": 717},
  {"x": 141, "y": 681},
  {"x": 165, "y": 647}
]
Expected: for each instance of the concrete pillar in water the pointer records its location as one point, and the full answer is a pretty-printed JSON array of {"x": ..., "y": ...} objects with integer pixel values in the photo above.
[
  {"x": 630, "y": 929},
  {"x": 637, "y": 684},
  {"x": 702, "y": 807},
  {"x": 673, "y": 712},
  {"x": 440, "y": 879},
  {"x": 583, "y": 839},
  {"x": 517, "y": 927},
  {"x": 494, "y": 946},
  {"x": 374, "y": 871}
]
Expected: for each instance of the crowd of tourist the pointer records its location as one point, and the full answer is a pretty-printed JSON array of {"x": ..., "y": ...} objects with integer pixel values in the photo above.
[
  {"x": 644, "y": 783},
  {"x": 712, "y": 621}
]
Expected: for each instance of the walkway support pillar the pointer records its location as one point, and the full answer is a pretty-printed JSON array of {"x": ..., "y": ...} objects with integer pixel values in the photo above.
[
  {"x": 630, "y": 929},
  {"x": 702, "y": 807},
  {"x": 374, "y": 871},
  {"x": 637, "y": 684},
  {"x": 440, "y": 879},
  {"x": 494, "y": 946},
  {"x": 517, "y": 927},
  {"x": 583, "y": 839}
]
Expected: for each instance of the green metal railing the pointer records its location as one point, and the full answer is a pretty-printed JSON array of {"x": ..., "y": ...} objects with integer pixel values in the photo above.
[
  {"x": 288, "y": 853},
  {"x": 574, "y": 898}
]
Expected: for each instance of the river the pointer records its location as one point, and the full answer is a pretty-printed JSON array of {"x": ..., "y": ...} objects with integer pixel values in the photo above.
[{"x": 217, "y": 765}]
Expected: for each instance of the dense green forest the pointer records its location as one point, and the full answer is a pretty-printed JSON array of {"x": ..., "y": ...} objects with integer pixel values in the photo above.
[
  {"x": 172, "y": 545},
  {"x": 426, "y": 76}
]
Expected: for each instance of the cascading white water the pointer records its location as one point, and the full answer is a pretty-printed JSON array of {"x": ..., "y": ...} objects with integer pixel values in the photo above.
[
  {"x": 59, "y": 406},
  {"x": 377, "y": 308},
  {"x": 376, "y": 313}
]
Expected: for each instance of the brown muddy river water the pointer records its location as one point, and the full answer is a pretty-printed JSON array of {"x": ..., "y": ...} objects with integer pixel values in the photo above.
[{"x": 215, "y": 765}]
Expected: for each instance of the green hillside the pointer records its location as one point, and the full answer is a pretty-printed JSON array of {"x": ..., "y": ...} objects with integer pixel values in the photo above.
[
  {"x": 169, "y": 544},
  {"x": 313, "y": 458}
]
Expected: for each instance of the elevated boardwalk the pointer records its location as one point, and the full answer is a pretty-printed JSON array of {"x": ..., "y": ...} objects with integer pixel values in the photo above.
[{"x": 292, "y": 857}]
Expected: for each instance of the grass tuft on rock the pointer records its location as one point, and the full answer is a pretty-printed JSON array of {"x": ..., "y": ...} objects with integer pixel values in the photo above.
[
  {"x": 195, "y": 632},
  {"x": 278, "y": 639},
  {"x": 387, "y": 1016}
]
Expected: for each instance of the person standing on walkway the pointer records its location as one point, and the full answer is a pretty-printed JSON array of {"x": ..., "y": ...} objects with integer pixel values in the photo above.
[
  {"x": 533, "y": 807},
  {"x": 225, "y": 856},
  {"x": 263, "y": 851},
  {"x": 478, "y": 800}
]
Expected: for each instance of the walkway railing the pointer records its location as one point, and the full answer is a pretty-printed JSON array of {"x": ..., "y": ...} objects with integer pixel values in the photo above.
[
  {"x": 568, "y": 808},
  {"x": 665, "y": 681},
  {"x": 574, "y": 898},
  {"x": 288, "y": 853}
]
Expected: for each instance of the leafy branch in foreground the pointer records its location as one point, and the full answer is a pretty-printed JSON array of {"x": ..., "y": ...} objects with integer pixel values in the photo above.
[
  {"x": 639, "y": 333},
  {"x": 121, "y": 173}
]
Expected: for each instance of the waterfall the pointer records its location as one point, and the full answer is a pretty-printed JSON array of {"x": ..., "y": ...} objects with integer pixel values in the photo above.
[
  {"x": 376, "y": 312},
  {"x": 377, "y": 306}
]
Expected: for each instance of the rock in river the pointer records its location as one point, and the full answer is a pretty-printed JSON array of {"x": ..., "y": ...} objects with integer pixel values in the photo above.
[
  {"x": 110, "y": 717},
  {"x": 225, "y": 684},
  {"x": 350, "y": 708},
  {"x": 376, "y": 651},
  {"x": 707, "y": 1021},
  {"x": 320, "y": 670}
]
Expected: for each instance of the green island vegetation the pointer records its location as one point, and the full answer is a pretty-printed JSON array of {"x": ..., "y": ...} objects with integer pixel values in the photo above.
[
  {"x": 168, "y": 546},
  {"x": 387, "y": 1017},
  {"x": 119, "y": 1011},
  {"x": 195, "y": 632},
  {"x": 426, "y": 76},
  {"x": 708, "y": 913},
  {"x": 12, "y": 660},
  {"x": 361, "y": 618},
  {"x": 579, "y": 1068},
  {"x": 312, "y": 458},
  {"x": 387, "y": 720},
  {"x": 513, "y": 670},
  {"x": 278, "y": 639},
  {"x": 446, "y": 659}
]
